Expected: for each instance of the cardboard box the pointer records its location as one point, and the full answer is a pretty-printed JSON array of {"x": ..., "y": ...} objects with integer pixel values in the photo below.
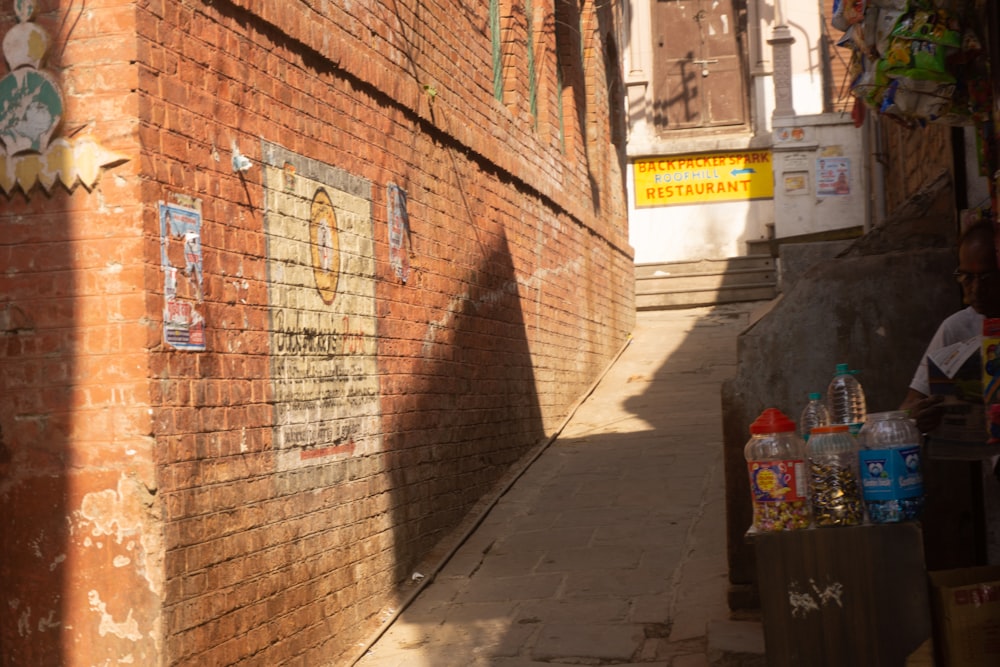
[{"x": 966, "y": 608}]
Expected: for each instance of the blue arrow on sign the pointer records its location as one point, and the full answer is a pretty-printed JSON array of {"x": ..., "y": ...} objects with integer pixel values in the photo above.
[{"x": 745, "y": 170}]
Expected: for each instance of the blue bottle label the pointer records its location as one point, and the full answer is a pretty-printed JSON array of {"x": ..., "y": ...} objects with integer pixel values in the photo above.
[{"x": 891, "y": 474}]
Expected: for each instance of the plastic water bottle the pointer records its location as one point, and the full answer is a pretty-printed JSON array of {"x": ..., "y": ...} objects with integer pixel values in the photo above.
[
  {"x": 779, "y": 484},
  {"x": 846, "y": 399},
  {"x": 892, "y": 479},
  {"x": 834, "y": 489},
  {"x": 813, "y": 415}
]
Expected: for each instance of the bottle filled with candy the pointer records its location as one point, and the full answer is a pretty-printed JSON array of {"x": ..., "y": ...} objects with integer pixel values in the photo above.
[
  {"x": 776, "y": 463},
  {"x": 834, "y": 489}
]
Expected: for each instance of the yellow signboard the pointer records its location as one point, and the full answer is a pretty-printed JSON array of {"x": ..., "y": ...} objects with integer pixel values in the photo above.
[{"x": 703, "y": 178}]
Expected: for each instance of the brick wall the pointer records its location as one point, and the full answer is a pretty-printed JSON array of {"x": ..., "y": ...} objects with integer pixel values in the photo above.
[
  {"x": 336, "y": 423},
  {"x": 80, "y": 575}
]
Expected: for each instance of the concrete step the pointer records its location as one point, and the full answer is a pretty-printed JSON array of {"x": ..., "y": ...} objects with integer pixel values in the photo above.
[
  {"x": 710, "y": 297},
  {"x": 705, "y": 282},
  {"x": 747, "y": 262},
  {"x": 773, "y": 246}
]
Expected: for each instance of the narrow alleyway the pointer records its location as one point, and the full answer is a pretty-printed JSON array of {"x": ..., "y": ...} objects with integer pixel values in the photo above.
[{"x": 610, "y": 548}]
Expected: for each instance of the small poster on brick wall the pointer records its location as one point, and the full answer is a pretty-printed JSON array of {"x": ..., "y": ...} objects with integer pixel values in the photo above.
[
  {"x": 399, "y": 231},
  {"x": 321, "y": 297},
  {"x": 183, "y": 284}
]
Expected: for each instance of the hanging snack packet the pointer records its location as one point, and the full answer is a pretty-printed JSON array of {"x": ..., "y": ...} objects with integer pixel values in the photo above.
[
  {"x": 880, "y": 27},
  {"x": 846, "y": 13}
]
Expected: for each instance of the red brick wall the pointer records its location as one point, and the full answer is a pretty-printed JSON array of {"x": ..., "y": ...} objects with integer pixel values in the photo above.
[
  {"x": 80, "y": 575},
  {"x": 242, "y": 546}
]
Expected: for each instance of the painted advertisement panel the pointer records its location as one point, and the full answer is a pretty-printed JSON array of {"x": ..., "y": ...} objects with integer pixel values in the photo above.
[
  {"x": 321, "y": 294},
  {"x": 703, "y": 178}
]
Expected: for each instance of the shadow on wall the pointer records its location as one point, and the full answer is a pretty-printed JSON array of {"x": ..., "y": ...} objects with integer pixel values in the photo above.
[
  {"x": 874, "y": 307},
  {"x": 37, "y": 372},
  {"x": 477, "y": 412}
]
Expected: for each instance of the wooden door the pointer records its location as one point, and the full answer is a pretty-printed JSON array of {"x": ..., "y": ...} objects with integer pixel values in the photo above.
[{"x": 699, "y": 79}]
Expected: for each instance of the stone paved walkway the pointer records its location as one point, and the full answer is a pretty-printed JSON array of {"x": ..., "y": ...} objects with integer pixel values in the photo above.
[{"x": 610, "y": 548}]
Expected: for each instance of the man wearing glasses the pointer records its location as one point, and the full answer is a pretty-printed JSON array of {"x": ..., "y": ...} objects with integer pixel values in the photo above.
[{"x": 980, "y": 280}]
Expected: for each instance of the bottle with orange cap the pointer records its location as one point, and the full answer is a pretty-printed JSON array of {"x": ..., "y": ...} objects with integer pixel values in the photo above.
[{"x": 776, "y": 462}]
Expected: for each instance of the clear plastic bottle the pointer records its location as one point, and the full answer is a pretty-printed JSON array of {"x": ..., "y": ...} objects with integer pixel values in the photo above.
[
  {"x": 891, "y": 476},
  {"x": 776, "y": 463},
  {"x": 834, "y": 489},
  {"x": 846, "y": 399},
  {"x": 813, "y": 415}
]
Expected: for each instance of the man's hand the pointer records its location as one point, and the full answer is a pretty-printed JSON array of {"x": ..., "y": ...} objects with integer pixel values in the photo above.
[{"x": 927, "y": 412}]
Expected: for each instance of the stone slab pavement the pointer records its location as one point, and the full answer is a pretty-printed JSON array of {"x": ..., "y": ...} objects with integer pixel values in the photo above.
[{"x": 610, "y": 547}]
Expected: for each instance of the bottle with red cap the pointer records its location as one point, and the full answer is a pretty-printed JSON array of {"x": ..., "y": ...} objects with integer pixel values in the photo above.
[{"x": 779, "y": 482}]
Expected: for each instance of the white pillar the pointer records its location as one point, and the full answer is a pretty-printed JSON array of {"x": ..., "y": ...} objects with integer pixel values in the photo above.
[{"x": 781, "y": 48}]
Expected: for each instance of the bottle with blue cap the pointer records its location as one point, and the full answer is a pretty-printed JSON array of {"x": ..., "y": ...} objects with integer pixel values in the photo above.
[
  {"x": 846, "y": 399},
  {"x": 813, "y": 415}
]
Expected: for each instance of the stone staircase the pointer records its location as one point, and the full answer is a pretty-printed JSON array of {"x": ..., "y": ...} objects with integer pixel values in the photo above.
[{"x": 705, "y": 282}]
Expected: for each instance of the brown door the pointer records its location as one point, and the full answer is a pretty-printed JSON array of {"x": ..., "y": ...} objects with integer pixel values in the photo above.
[{"x": 698, "y": 68}]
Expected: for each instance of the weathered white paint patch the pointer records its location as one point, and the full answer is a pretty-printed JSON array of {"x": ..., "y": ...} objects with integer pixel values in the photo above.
[
  {"x": 48, "y": 621},
  {"x": 36, "y": 545},
  {"x": 801, "y": 603},
  {"x": 832, "y": 593},
  {"x": 56, "y": 561},
  {"x": 107, "y": 511},
  {"x": 127, "y": 629},
  {"x": 123, "y": 513},
  {"x": 24, "y": 622},
  {"x": 804, "y": 602}
]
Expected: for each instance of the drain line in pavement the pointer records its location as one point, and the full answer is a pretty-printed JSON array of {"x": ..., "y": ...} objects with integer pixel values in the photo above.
[{"x": 425, "y": 581}]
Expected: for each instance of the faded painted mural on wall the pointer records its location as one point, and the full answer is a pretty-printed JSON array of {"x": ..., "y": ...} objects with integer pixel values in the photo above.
[
  {"x": 321, "y": 294},
  {"x": 31, "y": 113}
]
